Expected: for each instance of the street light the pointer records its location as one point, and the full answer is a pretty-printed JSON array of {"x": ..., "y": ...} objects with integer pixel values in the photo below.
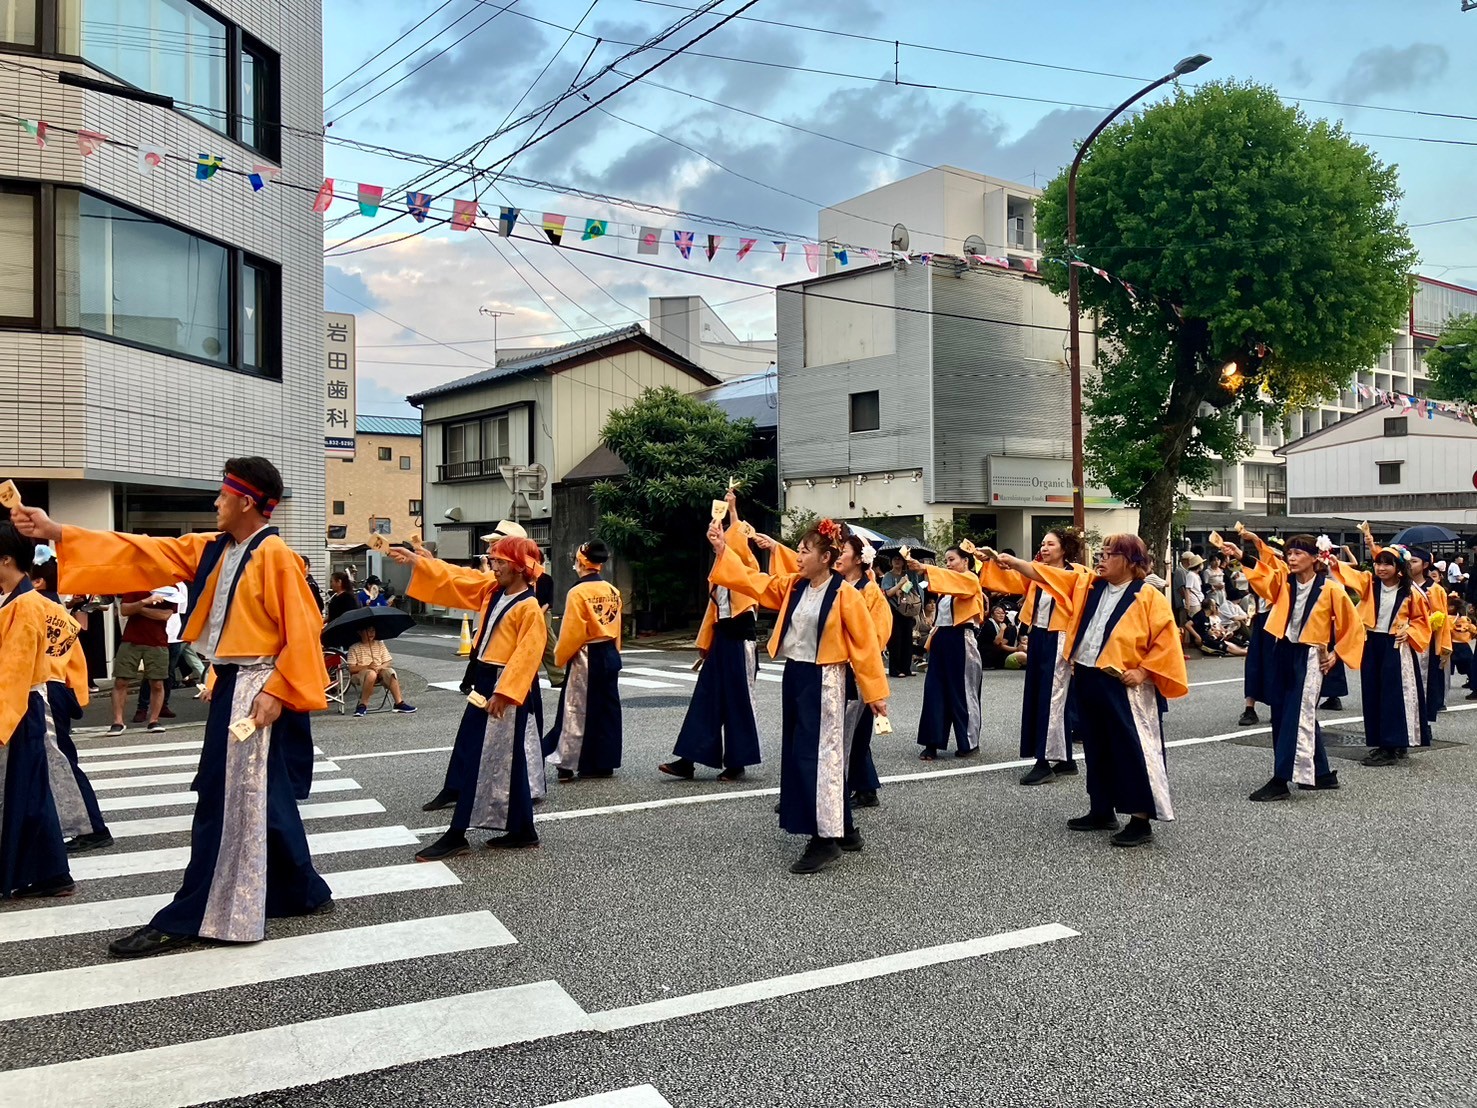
[{"x": 1074, "y": 303}]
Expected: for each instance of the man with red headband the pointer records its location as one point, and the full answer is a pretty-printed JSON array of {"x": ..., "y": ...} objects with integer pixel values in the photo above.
[{"x": 252, "y": 617}]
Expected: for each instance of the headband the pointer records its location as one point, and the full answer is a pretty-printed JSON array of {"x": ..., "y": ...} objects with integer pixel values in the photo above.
[
  {"x": 239, "y": 486},
  {"x": 582, "y": 563},
  {"x": 1396, "y": 549},
  {"x": 523, "y": 554}
]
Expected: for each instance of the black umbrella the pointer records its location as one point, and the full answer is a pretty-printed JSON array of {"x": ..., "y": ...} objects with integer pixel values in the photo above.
[
  {"x": 915, "y": 546},
  {"x": 1425, "y": 533},
  {"x": 388, "y": 623}
]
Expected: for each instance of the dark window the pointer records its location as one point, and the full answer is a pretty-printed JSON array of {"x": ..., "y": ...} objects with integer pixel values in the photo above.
[
  {"x": 260, "y": 111},
  {"x": 1396, "y": 426},
  {"x": 385, "y": 453},
  {"x": 1389, "y": 472},
  {"x": 415, "y": 507},
  {"x": 19, "y": 241},
  {"x": 404, "y": 461},
  {"x": 339, "y": 531},
  {"x": 866, "y": 411},
  {"x": 379, "y": 526},
  {"x": 475, "y": 448},
  {"x": 338, "y": 507},
  {"x": 261, "y": 317}
]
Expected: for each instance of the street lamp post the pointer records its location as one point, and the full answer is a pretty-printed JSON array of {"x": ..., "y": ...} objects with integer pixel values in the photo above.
[{"x": 1074, "y": 302}]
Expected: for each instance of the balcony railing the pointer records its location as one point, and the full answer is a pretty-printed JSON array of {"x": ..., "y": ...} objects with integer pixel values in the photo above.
[
  {"x": 470, "y": 470},
  {"x": 1021, "y": 240}
]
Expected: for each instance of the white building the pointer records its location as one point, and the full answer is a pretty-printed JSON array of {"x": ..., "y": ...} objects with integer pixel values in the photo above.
[
  {"x": 689, "y": 326},
  {"x": 152, "y": 324}
]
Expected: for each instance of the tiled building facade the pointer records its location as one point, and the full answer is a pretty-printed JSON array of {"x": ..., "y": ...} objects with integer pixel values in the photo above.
[{"x": 379, "y": 488}]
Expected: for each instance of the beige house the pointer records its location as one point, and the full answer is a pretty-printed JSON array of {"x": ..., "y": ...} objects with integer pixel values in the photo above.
[
  {"x": 498, "y": 442},
  {"x": 379, "y": 488}
]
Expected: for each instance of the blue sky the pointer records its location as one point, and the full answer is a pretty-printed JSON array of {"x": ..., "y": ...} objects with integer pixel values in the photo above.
[{"x": 660, "y": 146}]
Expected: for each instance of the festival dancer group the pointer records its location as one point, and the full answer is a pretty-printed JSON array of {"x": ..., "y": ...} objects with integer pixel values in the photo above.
[{"x": 1105, "y": 658}]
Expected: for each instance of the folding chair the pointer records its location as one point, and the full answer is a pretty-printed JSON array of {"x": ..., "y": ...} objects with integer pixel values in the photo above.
[{"x": 339, "y": 681}]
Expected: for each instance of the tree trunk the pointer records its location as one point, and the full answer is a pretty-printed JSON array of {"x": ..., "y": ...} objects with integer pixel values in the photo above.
[{"x": 1161, "y": 493}]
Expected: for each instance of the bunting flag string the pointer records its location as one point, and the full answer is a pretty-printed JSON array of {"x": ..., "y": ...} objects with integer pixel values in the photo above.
[
  {"x": 745, "y": 245},
  {"x": 150, "y": 158},
  {"x": 714, "y": 241},
  {"x": 683, "y": 239},
  {"x": 206, "y": 165},
  {"x": 594, "y": 229},
  {"x": 324, "y": 199},
  {"x": 90, "y": 142},
  {"x": 418, "y": 204},
  {"x": 261, "y": 174},
  {"x": 464, "y": 215},
  {"x": 369, "y": 199},
  {"x": 813, "y": 256},
  {"x": 650, "y": 241},
  {"x": 782, "y": 246},
  {"x": 37, "y": 129},
  {"x": 507, "y": 219}
]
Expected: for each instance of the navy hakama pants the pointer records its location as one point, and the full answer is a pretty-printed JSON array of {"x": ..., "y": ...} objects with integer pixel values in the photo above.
[
  {"x": 76, "y": 802},
  {"x": 719, "y": 729},
  {"x": 1122, "y": 736},
  {"x": 861, "y": 772},
  {"x": 497, "y": 766},
  {"x": 1461, "y": 661},
  {"x": 31, "y": 846},
  {"x": 466, "y": 749},
  {"x": 249, "y": 857},
  {"x": 1336, "y": 681},
  {"x": 1255, "y": 680},
  {"x": 1045, "y": 732},
  {"x": 1435, "y": 681},
  {"x": 587, "y": 731},
  {"x": 813, "y": 741},
  {"x": 1393, "y": 694},
  {"x": 1297, "y": 740},
  {"x": 951, "y": 690}
]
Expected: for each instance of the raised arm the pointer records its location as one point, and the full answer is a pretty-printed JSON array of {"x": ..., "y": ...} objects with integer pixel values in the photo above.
[
  {"x": 433, "y": 581},
  {"x": 111, "y": 562}
]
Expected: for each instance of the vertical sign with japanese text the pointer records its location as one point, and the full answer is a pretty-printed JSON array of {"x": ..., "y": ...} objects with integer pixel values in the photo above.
[{"x": 338, "y": 385}]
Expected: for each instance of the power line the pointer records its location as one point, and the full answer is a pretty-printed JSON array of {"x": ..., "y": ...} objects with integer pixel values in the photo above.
[{"x": 389, "y": 46}]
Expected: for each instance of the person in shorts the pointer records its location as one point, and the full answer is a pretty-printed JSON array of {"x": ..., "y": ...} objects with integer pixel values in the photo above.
[
  {"x": 143, "y": 649},
  {"x": 370, "y": 664}
]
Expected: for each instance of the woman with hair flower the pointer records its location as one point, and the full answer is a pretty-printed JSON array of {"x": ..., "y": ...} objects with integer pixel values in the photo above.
[
  {"x": 951, "y": 687},
  {"x": 854, "y": 564}
]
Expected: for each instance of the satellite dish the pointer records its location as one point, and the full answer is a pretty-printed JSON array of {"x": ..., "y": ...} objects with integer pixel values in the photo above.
[
  {"x": 974, "y": 245},
  {"x": 453, "y": 514},
  {"x": 899, "y": 237}
]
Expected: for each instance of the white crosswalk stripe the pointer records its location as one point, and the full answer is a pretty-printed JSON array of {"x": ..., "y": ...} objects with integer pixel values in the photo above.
[
  {"x": 167, "y": 800},
  {"x": 91, "y": 867},
  {"x": 168, "y": 825},
  {"x": 154, "y": 780},
  {"x": 84, "y": 753},
  {"x": 637, "y": 1096}
]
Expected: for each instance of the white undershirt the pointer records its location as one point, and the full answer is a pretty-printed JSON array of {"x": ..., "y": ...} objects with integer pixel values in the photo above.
[
  {"x": 1092, "y": 639},
  {"x": 215, "y": 621},
  {"x": 1296, "y": 619},
  {"x": 944, "y": 617},
  {"x": 1044, "y": 605},
  {"x": 1385, "y": 614},
  {"x": 723, "y": 601},
  {"x": 803, "y": 631}
]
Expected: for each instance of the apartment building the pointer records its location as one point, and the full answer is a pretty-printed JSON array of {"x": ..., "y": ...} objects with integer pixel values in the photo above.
[
  {"x": 153, "y": 324},
  {"x": 377, "y": 488}
]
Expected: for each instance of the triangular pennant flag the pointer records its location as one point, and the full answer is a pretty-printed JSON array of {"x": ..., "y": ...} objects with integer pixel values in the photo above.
[
  {"x": 926, "y": 258},
  {"x": 870, "y": 255},
  {"x": 594, "y": 229},
  {"x": 463, "y": 215},
  {"x": 813, "y": 256},
  {"x": 90, "y": 142},
  {"x": 260, "y": 175},
  {"x": 324, "y": 198},
  {"x": 150, "y": 157},
  {"x": 206, "y": 165},
  {"x": 554, "y": 227},
  {"x": 369, "y": 199},
  {"x": 650, "y": 241},
  {"x": 683, "y": 239},
  {"x": 745, "y": 245},
  {"x": 507, "y": 219},
  {"x": 714, "y": 241},
  {"x": 37, "y": 129},
  {"x": 782, "y": 246},
  {"x": 839, "y": 253},
  {"x": 418, "y": 204}
]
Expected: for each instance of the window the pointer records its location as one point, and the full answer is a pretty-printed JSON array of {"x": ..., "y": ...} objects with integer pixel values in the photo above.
[
  {"x": 1396, "y": 426},
  {"x": 338, "y": 507},
  {"x": 385, "y": 453},
  {"x": 261, "y": 317},
  {"x": 475, "y": 448},
  {"x": 165, "y": 46},
  {"x": 260, "y": 113},
  {"x": 19, "y": 212},
  {"x": 404, "y": 461},
  {"x": 1389, "y": 472},
  {"x": 379, "y": 526},
  {"x": 18, "y": 22},
  {"x": 339, "y": 531},
  {"x": 866, "y": 411},
  {"x": 415, "y": 507}
]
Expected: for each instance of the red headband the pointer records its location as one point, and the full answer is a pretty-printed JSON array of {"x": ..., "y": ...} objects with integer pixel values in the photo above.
[{"x": 239, "y": 486}]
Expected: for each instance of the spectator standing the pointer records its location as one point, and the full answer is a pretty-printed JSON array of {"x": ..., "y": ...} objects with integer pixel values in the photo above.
[
  {"x": 341, "y": 596},
  {"x": 313, "y": 587},
  {"x": 905, "y": 596},
  {"x": 175, "y": 594},
  {"x": 1177, "y": 577},
  {"x": 1192, "y": 591},
  {"x": 145, "y": 648}
]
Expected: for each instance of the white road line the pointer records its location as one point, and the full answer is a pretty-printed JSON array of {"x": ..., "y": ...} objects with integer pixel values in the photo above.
[
  {"x": 810, "y": 980},
  {"x": 637, "y": 1096},
  {"x": 166, "y": 825},
  {"x": 768, "y": 677},
  {"x": 90, "y": 867},
  {"x": 143, "y": 763},
  {"x": 1220, "y": 681},
  {"x": 641, "y": 650},
  {"x": 199, "y": 971},
  {"x": 391, "y": 753},
  {"x": 643, "y": 683},
  {"x": 135, "y": 911},
  {"x": 300, "y": 1053},
  {"x": 651, "y": 672},
  {"x": 154, "y": 780},
  {"x": 169, "y": 800},
  {"x": 84, "y": 753}
]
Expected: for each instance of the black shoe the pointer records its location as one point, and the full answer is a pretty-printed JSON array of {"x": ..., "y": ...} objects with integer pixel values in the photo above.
[
  {"x": 776, "y": 807},
  {"x": 970, "y": 753},
  {"x": 818, "y": 855},
  {"x": 327, "y": 908},
  {"x": 598, "y": 773},
  {"x": 678, "y": 767},
  {"x": 732, "y": 773},
  {"x": 851, "y": 842},
  {"x": 1332, "y": 704},
  {"x": 1139, "y": 832},
  {"x": 93, "y": 840},
  {"x": 1471, "y": 695},
  {"x": 446, "y": 798},
  {"x": 52, "y": 886},
  {"x": 864, "y": 798},
  {"x": 1064, "y": 769},
  {"x": 1248, "y": 717},
  {"x": 525, "y": 841},
  {"x": 1380, "y": 756},
  {"x": 1401, "y": 753},
  {"x": 928, "y": 754},
  {"x": 1324, "y": 781},
  {"x": 1094, "y": 821},
  {"x": 566, "y": 774},
  {"x": 1038, "y": 774},
  {"x": 1275, "y": 789},
  {"x": 453, "y": 844},
  {"x": 146, "y": 941}
]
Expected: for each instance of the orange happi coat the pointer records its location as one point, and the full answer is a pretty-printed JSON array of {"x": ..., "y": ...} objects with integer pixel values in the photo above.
[
  {"x": 592, "y": 613},
  {"x": 1330, "y": 617},
  {"x": 1144, "y": 638},
  {"x": 1413, "y": 610},
  {"x": 35, "y": 635},
  {"x": 1066, "y": 585},
  {"x": 738, "y": 541}
]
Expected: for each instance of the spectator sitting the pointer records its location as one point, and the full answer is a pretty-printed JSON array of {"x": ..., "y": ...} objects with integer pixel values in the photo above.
[
  {"x": 1209, "y": 632},
  {"x": 1234, "y": 616},
  {"x": 145, "y": 647},
  {"x": 341, "y": 596},
  {"x": 997, "y": 639},
  {"x": 370, "y": 664}
]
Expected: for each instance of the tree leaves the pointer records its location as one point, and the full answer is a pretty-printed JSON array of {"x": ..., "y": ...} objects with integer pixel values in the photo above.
[{"x": 1452, "y": 362}]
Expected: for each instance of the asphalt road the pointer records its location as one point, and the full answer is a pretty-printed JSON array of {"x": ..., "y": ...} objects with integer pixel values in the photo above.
[{"x": 1313, "y": 952}]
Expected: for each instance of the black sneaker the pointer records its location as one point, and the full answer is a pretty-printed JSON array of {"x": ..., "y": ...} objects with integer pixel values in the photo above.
[
  {"x": 776, "y": 807},
  {"x": 405, "y": 709},
  {"x": 146, "y": 941},
  {"x": 864, "y": 798},
  {"x": 732, "y": 773},
  {"x": 1064, "y": 769},
  {"x": 851, "y": 842},
  {"x": 1401, "y": 753},
  {"x": 327, "y": 908},
  {"x": 678, "y": 767},
  {"x": 1332, "y": 704},
  {"x": 116, "y": 729},
  {"x": 1248, "y": 717},
  {"x": 1094, "y": 821},
  {"x": 820, "y": 854},
  {"x": 446, "y": 798},
  {"x": 1139, "y": 832},
  {"x": 1380, "y": 756},
  {"x": 1038, "y": 774},
  {"x": 1323, "y": 782},
  {"x": 596, "y": 773},
  {"x": 1471, "y": 695},
  {"x": 525, "y": 841},
  {"x": 453, "y": 844},
  {"x": 52, "y": 886},
  {"x": 93, "y": 840},
  {"x": 156, "y": 728},
  {"x": 970, "y": 753},
  {"x": 1275, "y": 789},
  {"x": 566, "y": 774},
  {"x": 928, "y": 754}
]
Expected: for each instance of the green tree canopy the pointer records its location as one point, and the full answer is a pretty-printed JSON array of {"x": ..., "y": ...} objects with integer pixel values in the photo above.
[
  {"x": 680, "y": 453},
  {"x": 1452, "y": 362},
  {"x": 1251, "y": 235}
]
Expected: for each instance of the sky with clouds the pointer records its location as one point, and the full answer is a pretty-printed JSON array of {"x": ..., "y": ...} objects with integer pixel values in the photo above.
[{"x": 856, "y": 119}]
